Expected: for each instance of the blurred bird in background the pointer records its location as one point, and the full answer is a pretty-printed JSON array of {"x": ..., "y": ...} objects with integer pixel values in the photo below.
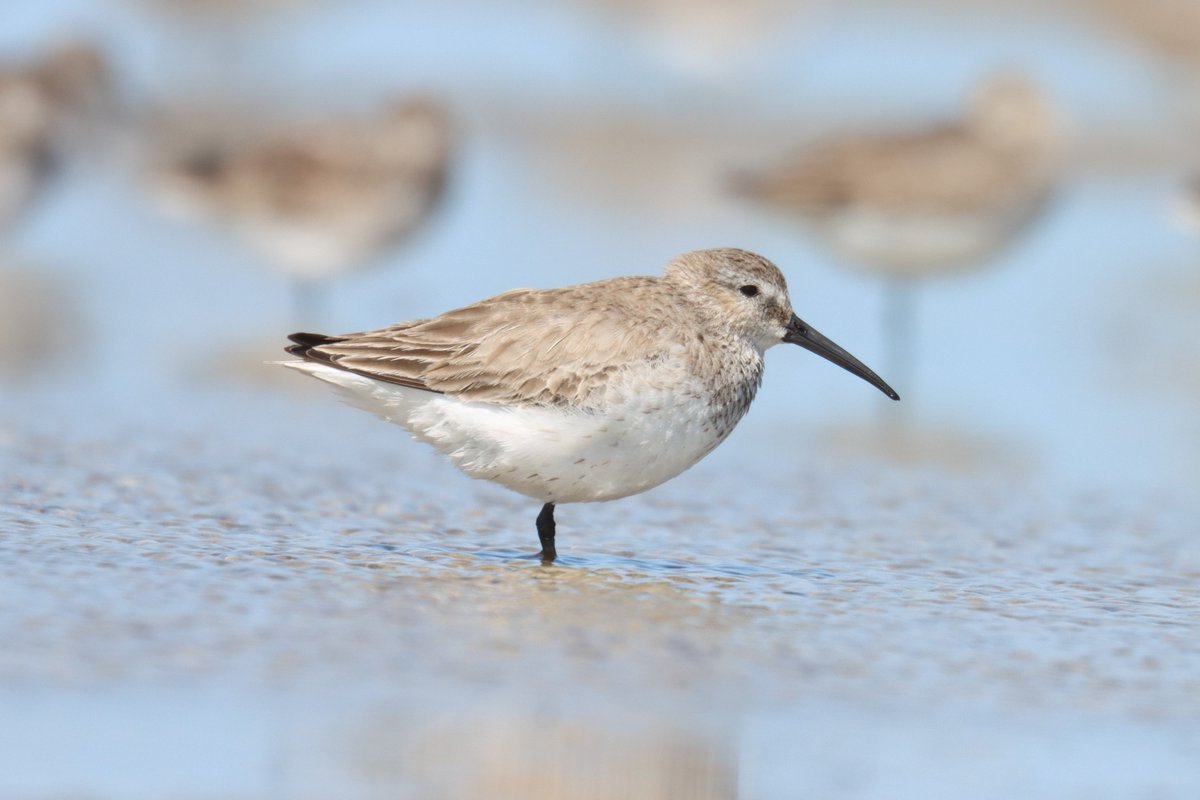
[
  {"x": 49, "y": 106},
  {"x": 43, "y": 105},
  {"x": 317, "y": 201},
  {"x": 909, "y": 204}
]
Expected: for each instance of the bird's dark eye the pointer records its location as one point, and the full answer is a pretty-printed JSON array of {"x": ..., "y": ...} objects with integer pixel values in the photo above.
[{"x": 750, "y": 290}]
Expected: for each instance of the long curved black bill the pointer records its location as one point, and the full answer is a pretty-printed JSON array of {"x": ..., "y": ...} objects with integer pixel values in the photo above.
[{"x": 798, "y": 332}]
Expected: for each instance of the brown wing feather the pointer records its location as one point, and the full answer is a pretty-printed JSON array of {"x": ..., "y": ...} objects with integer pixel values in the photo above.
[{"x": 521, "y": 347}]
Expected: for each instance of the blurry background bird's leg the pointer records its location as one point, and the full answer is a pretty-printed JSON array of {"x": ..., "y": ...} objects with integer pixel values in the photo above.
[
  {"x": 309, "y": 303},
  {"x": 899, "y": 333}
]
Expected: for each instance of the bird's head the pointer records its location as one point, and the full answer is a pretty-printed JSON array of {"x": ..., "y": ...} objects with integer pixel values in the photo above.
[{"x": 746, "y": 294}]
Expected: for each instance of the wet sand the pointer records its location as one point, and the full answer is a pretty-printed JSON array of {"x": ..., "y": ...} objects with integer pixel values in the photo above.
[{"x": 297, "y": 575}]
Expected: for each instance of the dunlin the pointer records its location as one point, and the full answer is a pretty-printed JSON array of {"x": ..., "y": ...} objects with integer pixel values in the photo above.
[
  {"x": 321, "y": 200},
  {"x": 584, "y": 393},
  {"x": 909, "y": 203}
]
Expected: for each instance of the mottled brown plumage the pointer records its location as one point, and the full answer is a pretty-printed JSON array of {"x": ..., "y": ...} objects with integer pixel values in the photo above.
[
  {"x": 587, "y": 393},
  {"x": 556, "y": 346}
]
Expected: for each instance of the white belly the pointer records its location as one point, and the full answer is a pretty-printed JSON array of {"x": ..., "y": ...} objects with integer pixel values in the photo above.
[
  {"x": 310, "y": 249},
  {"x": 912, "y": 245},
  {"x": 548, "y": 454},
  {"x": 308, "y": 252}
]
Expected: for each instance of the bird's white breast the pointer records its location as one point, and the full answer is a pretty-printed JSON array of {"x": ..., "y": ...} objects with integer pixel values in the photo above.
[
  {"x": 653, "y": 423},
  {"x": 306, "y": 251},
  {"x": 915, "y": 244}
]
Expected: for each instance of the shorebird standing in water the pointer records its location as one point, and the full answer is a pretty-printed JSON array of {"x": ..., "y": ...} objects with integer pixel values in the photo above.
[
  {"x": 319, "y": 201},
  {"x": 585, "y": 393},
  {"x": 911, "y": 204},
  {"x": 39, "y": 103}
]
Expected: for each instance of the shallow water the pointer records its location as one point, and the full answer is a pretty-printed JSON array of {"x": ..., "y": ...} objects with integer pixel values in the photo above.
[{"x": 339, "y": 601}]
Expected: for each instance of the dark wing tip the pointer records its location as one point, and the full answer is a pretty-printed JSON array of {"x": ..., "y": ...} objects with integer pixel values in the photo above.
[
  {"x": 305, "y": 342},
  {"x": 307, "y": 346},
  {"x": 311, "y": 339}
]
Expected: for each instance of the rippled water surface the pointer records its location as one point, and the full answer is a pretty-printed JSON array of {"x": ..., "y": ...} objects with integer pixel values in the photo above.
[{"x": 359, "y": 618}]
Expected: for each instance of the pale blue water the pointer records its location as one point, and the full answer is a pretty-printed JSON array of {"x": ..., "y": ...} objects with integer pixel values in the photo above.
[{"x": 219, "y": 589}]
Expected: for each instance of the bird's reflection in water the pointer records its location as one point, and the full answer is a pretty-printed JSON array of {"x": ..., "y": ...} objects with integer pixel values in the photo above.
[
  {"x": 41, "y": 324},
  {"x": 533, "y": 756}
]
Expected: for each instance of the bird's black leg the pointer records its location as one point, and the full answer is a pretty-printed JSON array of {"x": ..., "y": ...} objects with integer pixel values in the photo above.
[{"x": 545, "y": 529}]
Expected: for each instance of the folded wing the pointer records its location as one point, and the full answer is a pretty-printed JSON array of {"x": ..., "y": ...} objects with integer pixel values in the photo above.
[{"x": 552, "y": 347}]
